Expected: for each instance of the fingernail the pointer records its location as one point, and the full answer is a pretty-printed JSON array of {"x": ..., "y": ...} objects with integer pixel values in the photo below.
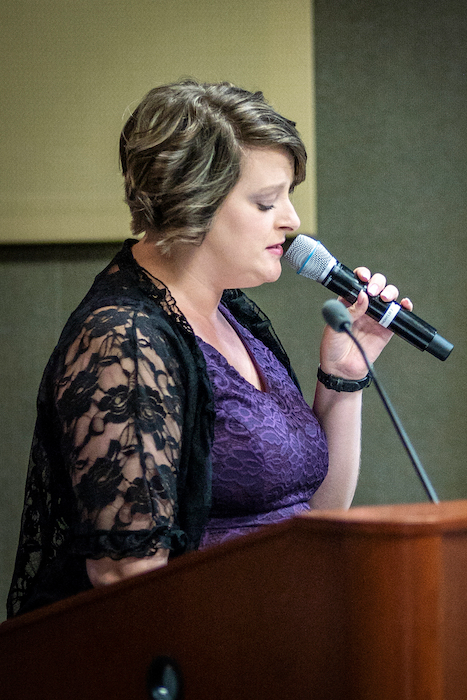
[{"x": 372, "y": 290}]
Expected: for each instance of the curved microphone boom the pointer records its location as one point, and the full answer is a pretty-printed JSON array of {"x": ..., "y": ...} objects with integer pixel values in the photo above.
[
  {"x": 337, "y": 316},
  {"x": 311, "y": 259}
]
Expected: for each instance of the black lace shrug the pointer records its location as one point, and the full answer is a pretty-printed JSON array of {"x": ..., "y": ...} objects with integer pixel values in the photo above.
[{"x": 120, "y": 461}]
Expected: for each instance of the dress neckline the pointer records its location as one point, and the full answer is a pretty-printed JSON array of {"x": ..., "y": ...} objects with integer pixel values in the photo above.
[{"x": 243, "y": 335}]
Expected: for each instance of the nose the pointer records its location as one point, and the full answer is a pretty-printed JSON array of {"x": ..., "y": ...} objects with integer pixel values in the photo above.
[{"x": 289, "y": 218}]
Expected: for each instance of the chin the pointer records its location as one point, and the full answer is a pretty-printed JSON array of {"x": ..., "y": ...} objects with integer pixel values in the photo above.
[
  {"x": 275, "y": 272},
  {"x": 264, "y": 278}
]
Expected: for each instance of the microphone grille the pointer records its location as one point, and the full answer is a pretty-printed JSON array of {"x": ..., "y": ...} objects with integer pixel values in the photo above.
[{"x": 310, "y": 258}]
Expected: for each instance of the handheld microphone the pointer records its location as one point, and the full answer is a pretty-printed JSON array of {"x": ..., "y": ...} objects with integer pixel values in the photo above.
[
  {"x": 311, "y": 259},
  {"x": 337, "y": 316}
]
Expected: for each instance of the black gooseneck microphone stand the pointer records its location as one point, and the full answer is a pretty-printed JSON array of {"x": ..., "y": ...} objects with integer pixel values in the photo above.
[{"x": 337, "y": 316}]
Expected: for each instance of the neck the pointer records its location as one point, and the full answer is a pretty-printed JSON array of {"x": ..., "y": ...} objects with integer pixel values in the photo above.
[{"x": 194, "y": 294}]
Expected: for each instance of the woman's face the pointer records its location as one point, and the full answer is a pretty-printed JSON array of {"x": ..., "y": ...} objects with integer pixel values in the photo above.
[{"x": 244, "y": 245}]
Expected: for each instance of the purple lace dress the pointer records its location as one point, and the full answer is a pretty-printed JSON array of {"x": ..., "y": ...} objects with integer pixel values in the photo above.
[{"x": 269, "y": 454}]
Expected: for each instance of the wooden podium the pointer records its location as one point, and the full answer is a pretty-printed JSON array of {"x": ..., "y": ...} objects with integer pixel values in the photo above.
[{"x": 366, "y": 604}]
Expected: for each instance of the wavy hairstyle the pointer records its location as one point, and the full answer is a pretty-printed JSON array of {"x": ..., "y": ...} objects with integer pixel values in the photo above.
[{"x": 180, "y": 154}]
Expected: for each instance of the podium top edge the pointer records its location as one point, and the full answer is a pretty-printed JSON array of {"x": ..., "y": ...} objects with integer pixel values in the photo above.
[{"x": 444, "y": 516}]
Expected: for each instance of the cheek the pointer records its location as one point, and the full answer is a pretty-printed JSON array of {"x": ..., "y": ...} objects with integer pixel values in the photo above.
[
  {"x": 253, "y": 226},
  {"x": 241, "y": 224}
]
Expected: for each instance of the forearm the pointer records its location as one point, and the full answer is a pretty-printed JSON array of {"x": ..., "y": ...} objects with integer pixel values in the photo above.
[
  {"x": 340, "y": 416},
  {"x": 104, "y": 571}
]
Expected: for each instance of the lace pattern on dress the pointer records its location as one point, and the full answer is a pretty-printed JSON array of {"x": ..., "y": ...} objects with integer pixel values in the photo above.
[{"x": 269, "y": 453}]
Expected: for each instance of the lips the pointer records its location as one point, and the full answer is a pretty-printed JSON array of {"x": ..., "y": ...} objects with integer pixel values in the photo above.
[{"x": 276, "y": 248}]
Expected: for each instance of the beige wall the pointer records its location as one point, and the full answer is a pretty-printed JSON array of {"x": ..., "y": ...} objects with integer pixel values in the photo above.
[{"x": 71, "y": 71}]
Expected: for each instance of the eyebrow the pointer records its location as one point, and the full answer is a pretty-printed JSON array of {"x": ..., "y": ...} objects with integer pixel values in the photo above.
[{"x": 272, "y": 189}]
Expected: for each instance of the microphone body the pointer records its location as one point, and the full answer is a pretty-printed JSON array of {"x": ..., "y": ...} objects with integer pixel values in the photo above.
[{"x": 311, "y": 259}]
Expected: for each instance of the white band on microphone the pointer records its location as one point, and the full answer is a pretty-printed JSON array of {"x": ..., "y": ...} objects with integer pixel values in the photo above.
[{"x": 391, "y": 313}]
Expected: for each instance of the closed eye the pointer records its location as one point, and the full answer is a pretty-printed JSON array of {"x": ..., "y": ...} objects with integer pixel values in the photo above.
[{"x": 265, "y": 207}]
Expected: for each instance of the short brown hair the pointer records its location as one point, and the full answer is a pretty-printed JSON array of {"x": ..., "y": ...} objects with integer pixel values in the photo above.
[{"x": 180, "y": 154}]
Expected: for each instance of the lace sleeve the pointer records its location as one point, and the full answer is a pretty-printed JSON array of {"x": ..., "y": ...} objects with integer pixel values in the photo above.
[{"x": 119, "y": 398}]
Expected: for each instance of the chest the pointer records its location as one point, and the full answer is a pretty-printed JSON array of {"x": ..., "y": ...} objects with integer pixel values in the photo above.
[{"x": 224, "y": 338}]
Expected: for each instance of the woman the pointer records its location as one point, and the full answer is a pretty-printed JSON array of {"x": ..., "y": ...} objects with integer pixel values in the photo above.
[{"x": 169, "y": 418}]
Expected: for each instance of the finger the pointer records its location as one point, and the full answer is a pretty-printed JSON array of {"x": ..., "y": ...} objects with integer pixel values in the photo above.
[
  {"x": 360, "y": 306},
  {"x": 363, "y": 273},
  {"x": 389, "y": 293},
  {"x": 376, "y": 284},
  {"x": 407, "y": 304}
]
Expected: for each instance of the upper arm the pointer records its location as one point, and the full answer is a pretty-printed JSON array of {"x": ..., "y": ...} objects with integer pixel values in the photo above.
[{"x": 119, "y": 399}]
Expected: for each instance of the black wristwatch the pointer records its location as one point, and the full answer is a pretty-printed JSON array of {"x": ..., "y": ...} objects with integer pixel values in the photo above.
[{"x": 340, "y": 384}]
